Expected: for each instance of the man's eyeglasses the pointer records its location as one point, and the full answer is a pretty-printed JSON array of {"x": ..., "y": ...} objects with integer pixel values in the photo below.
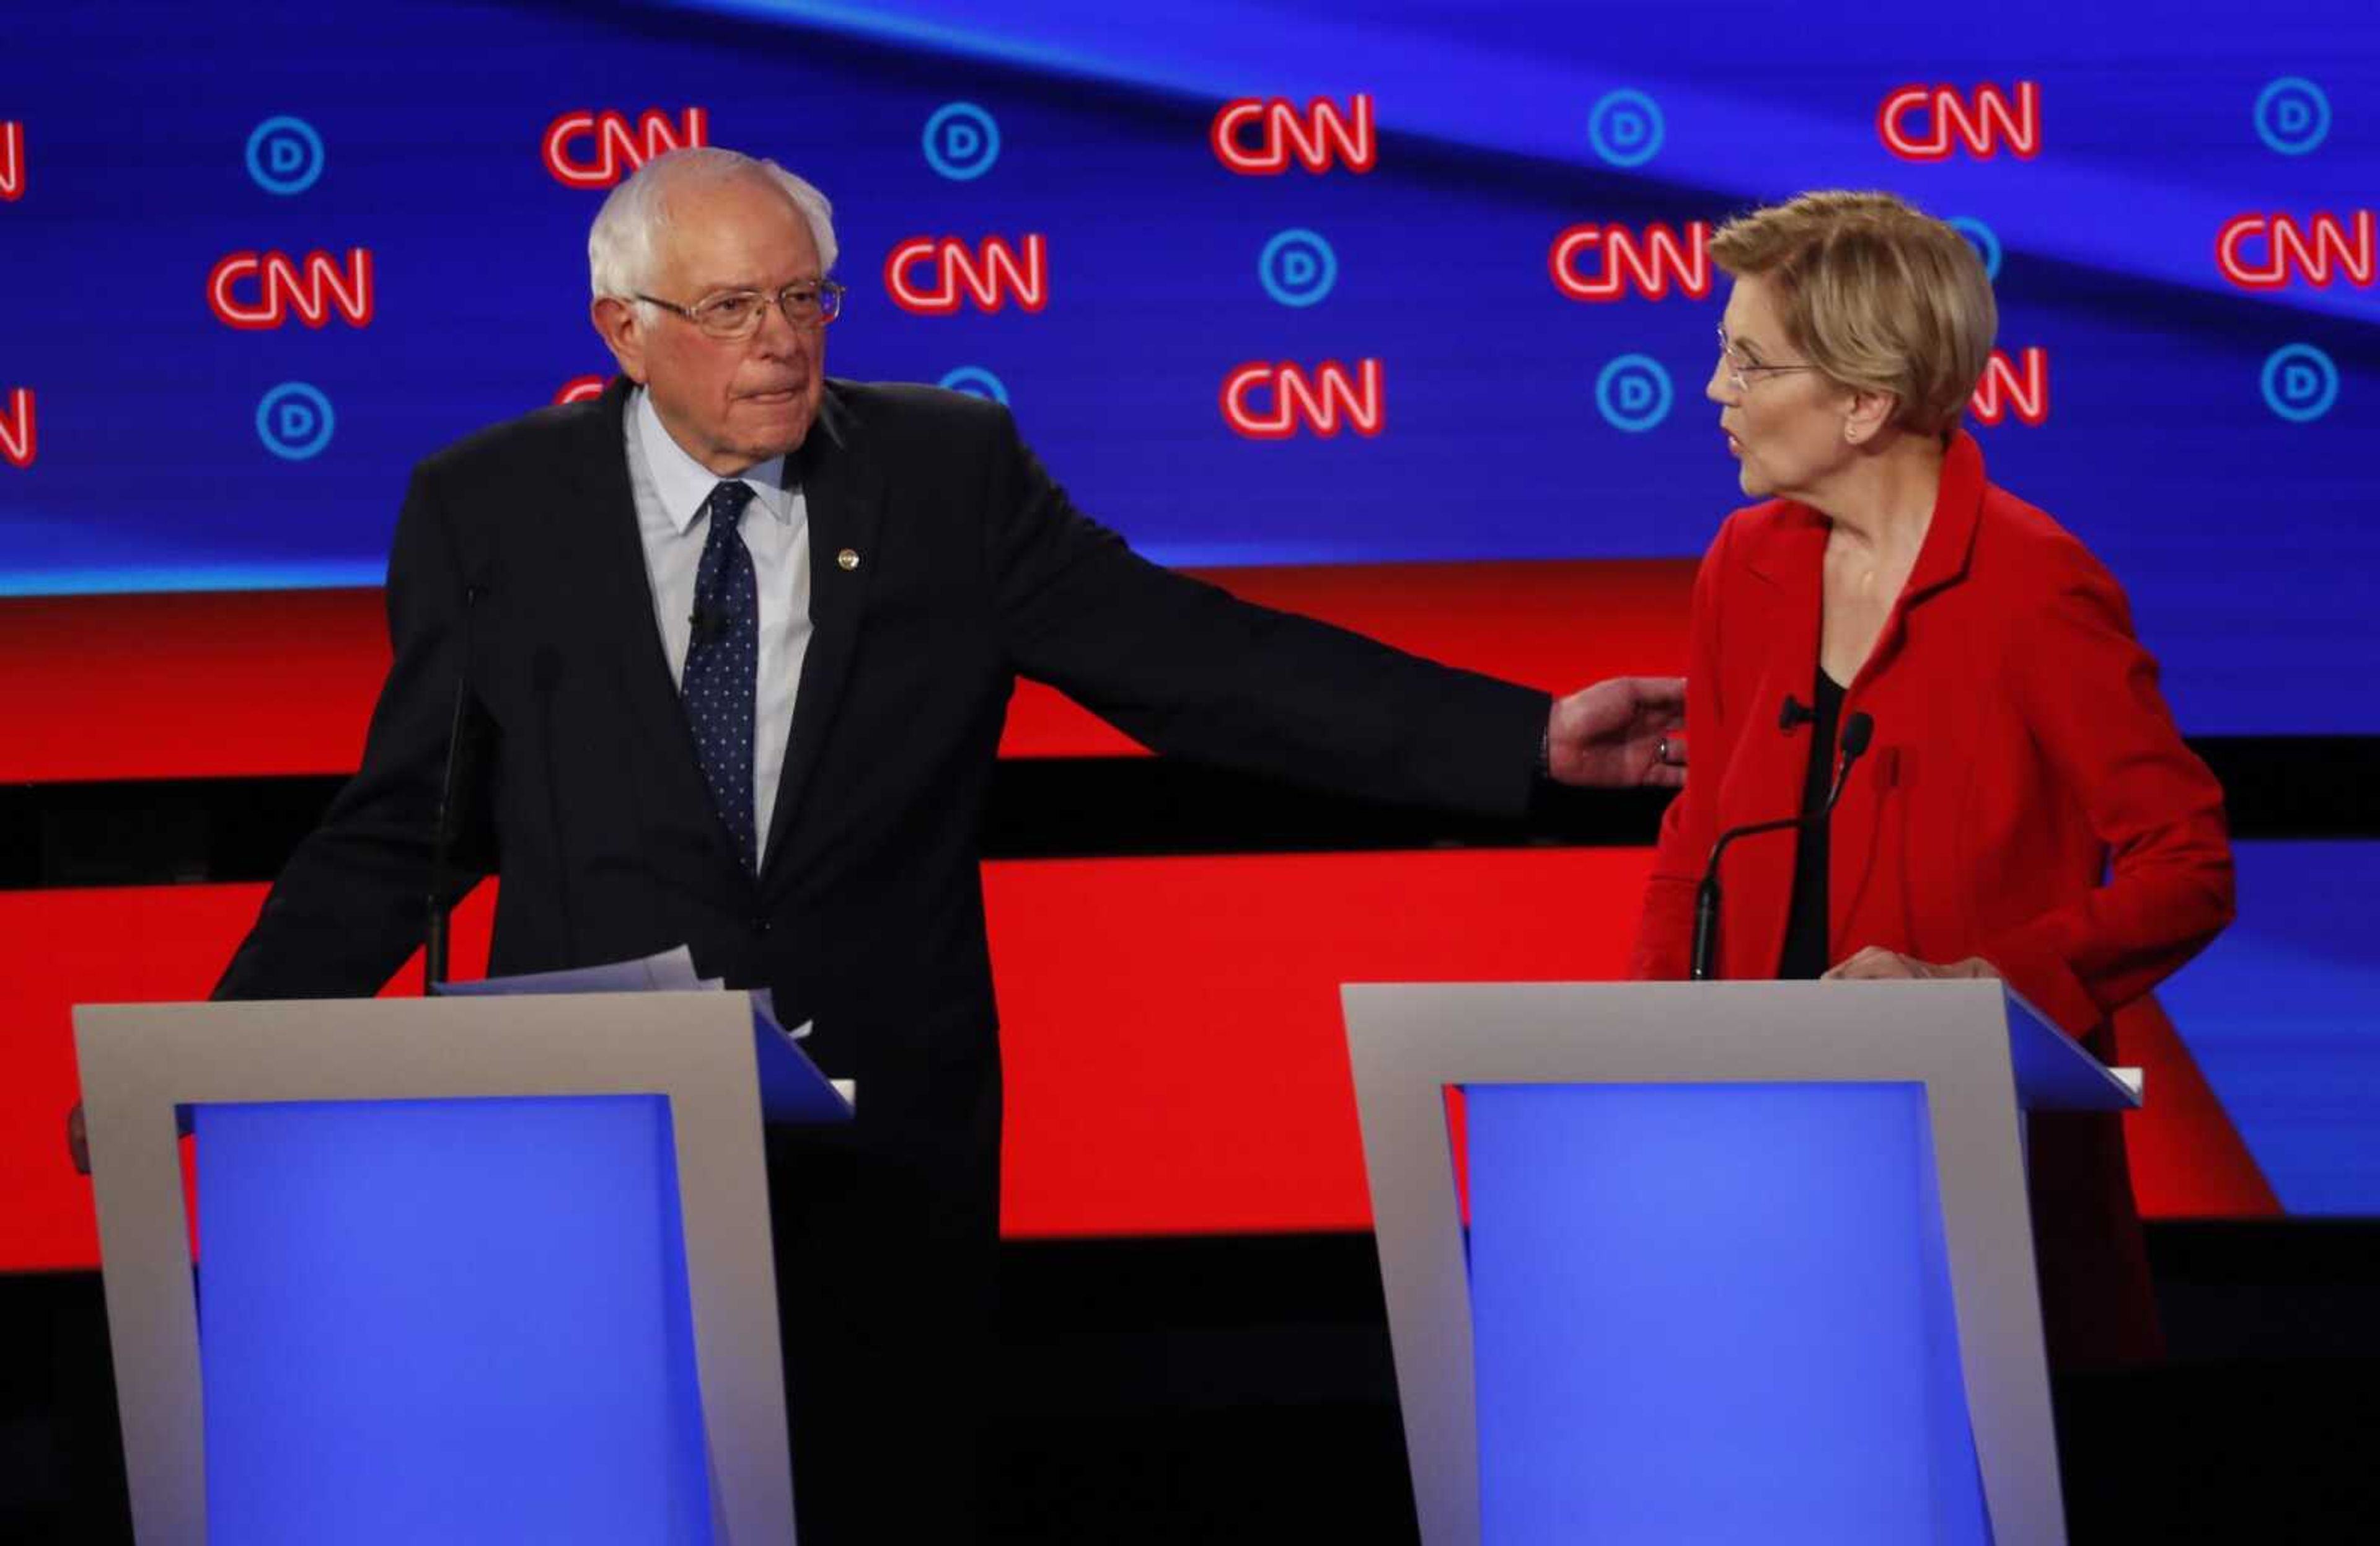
[
  {"x": 1742, "y": 369},
  {"x": 733, "y": 314}
]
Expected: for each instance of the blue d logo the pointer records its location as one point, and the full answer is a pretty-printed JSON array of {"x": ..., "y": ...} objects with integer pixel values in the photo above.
[
  {"x": 285, "y": 155},
  {"x": 2299, "y": 383},
  {"x": 1298, "y": 267},
  {"x": 2292, "y": 115},
  {"x": 294, "y": 421},
  {"x": 975, "y": 381},
  {"x": 1983, "y": 238},
  {"x": 962, "y": 141},
  {"x": 1634, "y": 393},
  {"x": 1625, "y": 128}
]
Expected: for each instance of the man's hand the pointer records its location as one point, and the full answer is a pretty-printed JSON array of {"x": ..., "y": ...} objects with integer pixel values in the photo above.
[
  {"x": 1620, "y": 734},
  {"x": 1877, "y": 964}
]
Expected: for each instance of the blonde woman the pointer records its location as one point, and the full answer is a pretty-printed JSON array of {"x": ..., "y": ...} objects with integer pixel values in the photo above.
[{"x": 2026, "y": 808}]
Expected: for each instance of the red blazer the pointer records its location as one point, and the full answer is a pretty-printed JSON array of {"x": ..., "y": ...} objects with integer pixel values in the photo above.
[{"x": 2026, "y": 797}]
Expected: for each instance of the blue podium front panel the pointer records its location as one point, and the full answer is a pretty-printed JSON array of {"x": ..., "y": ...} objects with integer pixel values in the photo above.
[
  {"x": 447, "y": 1320},
  {"x": 1715, "y": 1313}
]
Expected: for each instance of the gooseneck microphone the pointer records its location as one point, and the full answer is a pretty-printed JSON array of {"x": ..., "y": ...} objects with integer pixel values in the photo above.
[
  {"x": 433, "y": 934},
  {"x": 1858, "y": 731},
  {"x": 545, "y": 680}
]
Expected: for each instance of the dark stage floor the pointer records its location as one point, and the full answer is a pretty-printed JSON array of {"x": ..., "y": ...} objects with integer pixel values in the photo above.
[{"x": 1240, "y": 1390}]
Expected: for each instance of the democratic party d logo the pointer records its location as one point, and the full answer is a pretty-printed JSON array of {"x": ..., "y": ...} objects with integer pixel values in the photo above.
[
  {"x": 962, "y": 141},
  {"x": 294, "y": 421},
  {"x": 2299, "y": 383},
  {"x": 1634, "y": 393},
  {"x": 975, "y": 381},
  {"x": 1298, "y": 267},
  {"x": 1625, "y": 128},
  {"x": 285, "y": 155},
  {"x": 2292, "y": 115}
]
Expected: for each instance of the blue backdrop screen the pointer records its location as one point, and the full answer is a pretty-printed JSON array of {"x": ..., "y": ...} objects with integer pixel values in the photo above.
[{"x": 1459, "y": 310}]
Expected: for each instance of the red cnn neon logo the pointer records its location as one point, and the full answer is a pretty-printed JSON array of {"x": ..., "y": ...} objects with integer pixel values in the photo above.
[
  {"x": 1314, "y": 401},
  {"x": 2307, "y": 250},
  {"x": 1317, "y": 139},
  {"x": 992, "y": 276},
  {"x": 580, "y": 389},
  {"x": 1982, "y": 128},
  {"x": 618, "y": 148},
  {"x": 2005, "y": 385},
  {"x": 12, "y": 161},
  {"x": 17, "y": 429},
  {"x": 1650, "y": 264},
  {"x": 281, "y": 289}
]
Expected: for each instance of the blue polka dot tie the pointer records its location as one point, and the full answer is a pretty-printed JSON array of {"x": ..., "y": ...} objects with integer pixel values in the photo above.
[{"x": 721, "y": 665}]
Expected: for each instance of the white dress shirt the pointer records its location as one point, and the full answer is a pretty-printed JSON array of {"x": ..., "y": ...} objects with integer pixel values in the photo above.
[{"x": 671, "y": 490}]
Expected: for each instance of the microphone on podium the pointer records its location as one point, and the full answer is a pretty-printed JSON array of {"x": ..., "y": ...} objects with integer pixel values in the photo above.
[
  {"x": 1858, "y": 731},
  {"x": 450, "y": 782}
]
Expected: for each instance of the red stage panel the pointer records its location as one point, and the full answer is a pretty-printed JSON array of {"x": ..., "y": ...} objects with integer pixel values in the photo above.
[
  {"x": 282, "y": 681},
  {"x": 1176, "y": 1060},
  {"x": 193, "y": 686},
  {"x": 145, "y": 945},
  {"x": 150, "y": 944}
]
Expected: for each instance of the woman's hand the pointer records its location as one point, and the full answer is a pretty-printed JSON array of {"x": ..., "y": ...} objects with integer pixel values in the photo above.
[{"x": 1877, "y": 964}]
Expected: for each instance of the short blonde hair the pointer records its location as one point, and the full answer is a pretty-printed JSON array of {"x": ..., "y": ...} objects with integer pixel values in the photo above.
[{"x": 1877, "y": 295}]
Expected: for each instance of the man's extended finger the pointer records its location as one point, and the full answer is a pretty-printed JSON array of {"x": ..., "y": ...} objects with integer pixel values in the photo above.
[{"x": 1654, "y": 692}]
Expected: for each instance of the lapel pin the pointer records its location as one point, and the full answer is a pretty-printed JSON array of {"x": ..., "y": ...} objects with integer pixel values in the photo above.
[{"x": 847, "y": 559}]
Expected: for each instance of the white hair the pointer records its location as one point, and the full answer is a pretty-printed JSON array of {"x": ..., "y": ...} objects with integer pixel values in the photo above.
[{"x": 624, "y": 243}]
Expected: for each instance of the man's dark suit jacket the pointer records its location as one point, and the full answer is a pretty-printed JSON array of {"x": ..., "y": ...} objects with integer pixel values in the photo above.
[{"x": 519, "y": 547}]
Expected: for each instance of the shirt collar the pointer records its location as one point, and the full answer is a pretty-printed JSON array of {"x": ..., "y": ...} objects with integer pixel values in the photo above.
[{"x": 684, "y": 484}]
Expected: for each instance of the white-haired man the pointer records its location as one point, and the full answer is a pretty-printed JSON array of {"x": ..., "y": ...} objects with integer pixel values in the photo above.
[{"x": 739, "y": 642}]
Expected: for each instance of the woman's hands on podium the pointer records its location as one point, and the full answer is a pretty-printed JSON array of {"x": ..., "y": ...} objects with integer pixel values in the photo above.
[{"x": 1877, "y": 964}]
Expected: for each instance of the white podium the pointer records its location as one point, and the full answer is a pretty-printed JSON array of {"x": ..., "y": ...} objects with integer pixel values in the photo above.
[
  {"x": 1741, "y": 1261},
  {"x": 467, "y": 1269}
]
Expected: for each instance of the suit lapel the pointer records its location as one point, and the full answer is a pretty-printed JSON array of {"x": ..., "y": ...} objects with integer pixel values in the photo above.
[
  {"x": 1950, "y": 544},
  {"x": 625, "y": 605},
  {"x": 845, "y": 492}
]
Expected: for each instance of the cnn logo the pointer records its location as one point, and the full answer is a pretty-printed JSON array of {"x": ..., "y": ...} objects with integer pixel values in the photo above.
[
  {"x": 1258, "y": 137},
  {"x": 1274, "y": 402},
  {"x": 1926, "y": 123},
  {"x": 256, "y": 290},
  {"x": 12, "y": 161},
  {"x": 2293, "y": 250},
  {"x": 1605, "y": 262},
  {"x": 932, "y": 276},
  {"x": 2020, "y": 386},
  {"x": 17, "y": 439},
  {"x": 598, "y": 149}
]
